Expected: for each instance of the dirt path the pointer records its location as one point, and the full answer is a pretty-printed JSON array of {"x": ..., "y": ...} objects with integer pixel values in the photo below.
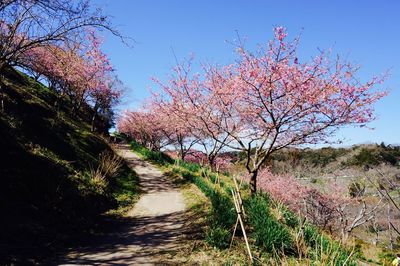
[{"x": 152, "y": 229}]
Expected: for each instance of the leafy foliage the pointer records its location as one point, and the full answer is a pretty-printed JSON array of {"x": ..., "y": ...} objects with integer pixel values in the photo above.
[
  {"x": 376, "y": 155},
  {"x": 268, "y": 232},
  {"x": 153, "y": 156}
]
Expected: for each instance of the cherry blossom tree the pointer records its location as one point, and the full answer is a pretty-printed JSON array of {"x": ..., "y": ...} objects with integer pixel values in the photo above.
[
  {"x": 189, "y": 102},
  {"x": 81, "y": 71},
  {"x": 145, "y": 128},
  {"x": 104, "y": 88},
  {"x": 269, "y": 100},
  {"x": 65, "y": 69},
  {"x": 178, "y": 133},
  {"x": 28, "y": 24}
]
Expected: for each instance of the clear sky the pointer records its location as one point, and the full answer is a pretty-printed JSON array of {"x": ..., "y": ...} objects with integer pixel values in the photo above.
[{"x": 365, "y": 31}]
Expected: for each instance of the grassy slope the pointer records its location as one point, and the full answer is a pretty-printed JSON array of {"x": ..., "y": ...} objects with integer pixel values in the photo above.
[{"x": 45, "y": 199}]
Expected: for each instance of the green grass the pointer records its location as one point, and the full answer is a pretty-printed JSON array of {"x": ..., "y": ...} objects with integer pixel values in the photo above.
[
  {"x": 125, "y": 190},
  {"x": 270, "y": 234}
]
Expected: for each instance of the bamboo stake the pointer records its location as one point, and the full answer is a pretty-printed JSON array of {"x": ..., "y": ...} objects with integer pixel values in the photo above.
[
  {"x": 239, "y": 196},
  {"x": 234, "y": 231},
  {"x": 238, "y": 211}
]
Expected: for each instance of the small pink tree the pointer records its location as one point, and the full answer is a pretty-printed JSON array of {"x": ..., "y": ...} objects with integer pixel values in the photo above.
[
  {"x": 190, "y": 104},
  {"x": 79, "y": 70},
  {"x": 104, "y": 88},
  {"x": 145, "y": 128},
  {"x": 64, "y": 67},
  {"x": 178, "y": 133},
  {"x": 332, "y": 210}
]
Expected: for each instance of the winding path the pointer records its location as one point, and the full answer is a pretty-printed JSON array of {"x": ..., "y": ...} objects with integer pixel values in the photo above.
[{"x": 153, "y": 226}]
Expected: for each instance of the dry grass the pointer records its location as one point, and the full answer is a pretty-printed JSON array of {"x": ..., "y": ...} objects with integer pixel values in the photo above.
[{"x": 109, "y": 165}]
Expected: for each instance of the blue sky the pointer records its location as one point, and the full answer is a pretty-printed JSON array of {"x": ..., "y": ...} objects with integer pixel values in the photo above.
[{"x": 367, "y": 32}]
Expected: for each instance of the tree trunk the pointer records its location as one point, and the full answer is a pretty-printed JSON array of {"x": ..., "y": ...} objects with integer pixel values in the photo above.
[
  {"x": 2, "y": 94},
  {"x": 253, "y": 183},
  {"x": 211, "y": 159},
  {"x": 182, "y": 150},
  {"x": 2, "y": 103},
  {"x": 95, "y": 111},
  {"x": 93, "y": 121}
]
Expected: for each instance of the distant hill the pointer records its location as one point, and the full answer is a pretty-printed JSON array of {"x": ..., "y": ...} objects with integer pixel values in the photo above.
[{"x": 300, "y": 161}]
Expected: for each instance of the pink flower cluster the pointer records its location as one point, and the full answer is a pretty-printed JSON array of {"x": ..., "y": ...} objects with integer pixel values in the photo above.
[
  {"x": 223, "y": 163},
  {"x": 283, "y": 188},
  {"x": 172, "y": 154},
  {"x": 322, "y": 209},
  {"x": 198, "y": 157}
]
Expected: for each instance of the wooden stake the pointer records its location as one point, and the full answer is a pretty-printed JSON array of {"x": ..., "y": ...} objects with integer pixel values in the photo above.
[
  {"x": 239, "y": 196},
  {"x": 239, "y": 218},
  {"x": 234, "y": 231}
]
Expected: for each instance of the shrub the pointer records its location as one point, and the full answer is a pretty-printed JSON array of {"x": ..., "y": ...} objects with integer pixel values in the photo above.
[
  {"x": 224, "y": 213},
  {"x": 291, "y": 219},
  {"x": 325, "y": 250},
  {"x": 268, "y": 232},
  {"x": 365, "y": 157},
  {"x": 109, "y": 165},
  {"x": 97, "y": 179},
  {"x": 218, "y": 237},
  {"x": 356, "y": 189},
  {"x": 157, "y": 157}
]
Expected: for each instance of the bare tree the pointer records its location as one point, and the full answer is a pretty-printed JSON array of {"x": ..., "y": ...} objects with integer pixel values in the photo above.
[{"x": 25, "y": 24}]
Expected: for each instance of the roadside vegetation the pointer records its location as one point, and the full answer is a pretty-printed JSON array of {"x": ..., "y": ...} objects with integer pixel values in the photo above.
[{"x": 276, "y": 235}]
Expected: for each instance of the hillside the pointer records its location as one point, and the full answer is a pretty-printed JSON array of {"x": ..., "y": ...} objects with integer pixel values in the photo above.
[
  {"x": 329, "y": 159},
  {"x": 54, "y": 185}
]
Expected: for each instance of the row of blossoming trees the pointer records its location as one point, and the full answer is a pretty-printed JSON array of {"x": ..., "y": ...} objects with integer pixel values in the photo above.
[
  {"x": 56, "y": 41},
  {"x": 263, "y": 102}
]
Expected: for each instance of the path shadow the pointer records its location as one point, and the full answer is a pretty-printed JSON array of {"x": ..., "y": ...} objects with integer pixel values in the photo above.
[{"x": 135, "y": 240}]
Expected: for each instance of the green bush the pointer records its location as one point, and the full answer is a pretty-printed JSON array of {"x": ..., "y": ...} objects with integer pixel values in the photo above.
[
  {"x": 224, "y": 213},
  {"x": 218, "y": 237},
  {"x": 192, "y": 167},
  {"x": 291, "y": 219},
  {"x": 268, "y": 232},
  {"x": 365, "y": 157},
  {"x": 386, "y": 257},
  {"x": 323, "y": 246},
  {"x": 157, "y": 157},
  {"x": 356, "y": 189}
]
